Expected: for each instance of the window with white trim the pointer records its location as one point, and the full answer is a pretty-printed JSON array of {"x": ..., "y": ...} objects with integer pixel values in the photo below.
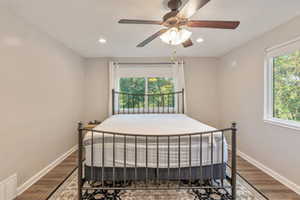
[
  {"x": 151, "y": 79},
  {"x": 282, "y": 85}
]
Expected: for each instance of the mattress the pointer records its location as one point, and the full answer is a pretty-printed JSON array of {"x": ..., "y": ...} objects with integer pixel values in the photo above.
[{"x": 208, "y": 148}]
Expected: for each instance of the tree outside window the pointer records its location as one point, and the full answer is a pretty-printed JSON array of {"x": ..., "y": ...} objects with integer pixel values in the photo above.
[
  {"x": 286, "y": 86},
  {"x": 146, "y": 85}
]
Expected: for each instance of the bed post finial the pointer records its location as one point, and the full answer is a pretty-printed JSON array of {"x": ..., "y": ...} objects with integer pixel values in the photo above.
[
  {"x": 79, "y": 125},
  {"x": 233, "y": 125}
]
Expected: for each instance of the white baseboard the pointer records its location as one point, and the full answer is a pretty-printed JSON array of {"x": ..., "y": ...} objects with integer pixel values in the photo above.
[
  {"x": 291, "y": 185},
  {"x": 44, "y": 171}
]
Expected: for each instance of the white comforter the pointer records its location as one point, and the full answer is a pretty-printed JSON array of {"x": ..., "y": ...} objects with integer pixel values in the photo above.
[{"x": 154, "y": 124}]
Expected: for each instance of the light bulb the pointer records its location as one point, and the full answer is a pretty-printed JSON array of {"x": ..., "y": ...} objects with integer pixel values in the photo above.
[{"x": 175, "y": 36}]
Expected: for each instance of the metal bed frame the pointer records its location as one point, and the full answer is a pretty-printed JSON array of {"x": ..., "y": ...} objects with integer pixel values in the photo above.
[{"x": 210, "y": 188}]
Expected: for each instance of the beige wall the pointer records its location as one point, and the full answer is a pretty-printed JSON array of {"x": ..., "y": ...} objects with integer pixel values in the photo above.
[
  {"x": 241, "y": 89},
  {"x": 201, "y": 87},
  {"x": 41, "y": 87},
  {"x": 96, "y": 89}
]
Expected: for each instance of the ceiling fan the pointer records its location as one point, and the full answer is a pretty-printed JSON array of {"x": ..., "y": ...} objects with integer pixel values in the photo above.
[{"x": 176, "y": 19}]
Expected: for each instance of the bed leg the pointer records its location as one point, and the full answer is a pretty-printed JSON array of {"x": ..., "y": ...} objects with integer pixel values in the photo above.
[
  {"x": 233, "y": 161},
  {"x": 80, "y": 160}
]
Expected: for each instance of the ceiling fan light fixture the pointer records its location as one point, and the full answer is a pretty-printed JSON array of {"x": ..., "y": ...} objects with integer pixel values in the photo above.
[
  {"x": 178, "y": 17},
  {"x": 175, "y": 36}
]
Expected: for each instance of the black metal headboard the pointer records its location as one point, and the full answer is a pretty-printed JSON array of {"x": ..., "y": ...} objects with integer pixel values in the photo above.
[{"x": 127, "y": 103}]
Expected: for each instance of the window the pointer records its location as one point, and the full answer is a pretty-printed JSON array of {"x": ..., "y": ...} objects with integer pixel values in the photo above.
[
  {"x": 148, "y": 85},
  {"x": 146, "y": 78},
  {"x": 282, "y": 94}
]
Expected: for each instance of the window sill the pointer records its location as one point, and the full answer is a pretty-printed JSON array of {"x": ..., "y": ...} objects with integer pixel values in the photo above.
[{"x": 283, "y": 123}]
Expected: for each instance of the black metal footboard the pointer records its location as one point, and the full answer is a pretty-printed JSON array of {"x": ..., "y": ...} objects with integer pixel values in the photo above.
[
  {"x": 117, "y": 162},
  {"x": 157, "y": 173}
]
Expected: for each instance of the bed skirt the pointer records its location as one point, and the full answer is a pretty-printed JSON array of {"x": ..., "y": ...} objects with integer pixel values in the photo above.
[{"x": 216, "y": 171}]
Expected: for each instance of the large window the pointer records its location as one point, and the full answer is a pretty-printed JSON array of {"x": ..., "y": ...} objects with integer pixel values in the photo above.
[
  {"x": 161, "y": 82},
  {"x": 148, "y": 85},
  {"x": 283, "y": 86}
]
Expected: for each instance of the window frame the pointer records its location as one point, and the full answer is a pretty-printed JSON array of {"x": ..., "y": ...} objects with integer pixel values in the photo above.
[
  {"x": 147, "y": 97},
  {"x": 153, "y": 71},
  {"x": 278, "y": 50}
]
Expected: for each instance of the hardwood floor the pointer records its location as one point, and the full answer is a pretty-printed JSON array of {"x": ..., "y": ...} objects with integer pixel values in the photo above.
[
  {"x": 266, "y": 184},
  {"x": 43, "y": 188},
  {"x": 271, "y": 188}
]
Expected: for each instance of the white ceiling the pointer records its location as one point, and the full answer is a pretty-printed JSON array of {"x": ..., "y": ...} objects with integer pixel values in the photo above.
[{"x": 80, "y": 23}]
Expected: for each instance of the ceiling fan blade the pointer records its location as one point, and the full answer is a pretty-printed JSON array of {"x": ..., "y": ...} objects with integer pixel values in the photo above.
[
  {"x": 152, "y": 37},
  {"x": 187, "y": 43},
  {"x": 214, "y": 24},
  {"x": 191, "y": 7},
  {"x": 136, "y": 21}
]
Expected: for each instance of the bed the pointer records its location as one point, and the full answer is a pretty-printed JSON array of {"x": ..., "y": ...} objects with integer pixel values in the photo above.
[
  {"x": 146, "y": 146},
  {"x": 157, "y": 124}
]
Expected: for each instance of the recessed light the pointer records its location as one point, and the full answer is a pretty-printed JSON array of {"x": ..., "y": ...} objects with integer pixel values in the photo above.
[
  {"x": 102, "y": 40},
  {"x": 199, "y": 40}
]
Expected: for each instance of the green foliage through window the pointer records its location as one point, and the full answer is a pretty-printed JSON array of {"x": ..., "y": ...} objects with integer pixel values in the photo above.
[
  {"x": 286, "y": 86},
  {"x": 152, "y": 85},
  {"x": 160, "y": 86},
  {"x": 132, "y": 86}
]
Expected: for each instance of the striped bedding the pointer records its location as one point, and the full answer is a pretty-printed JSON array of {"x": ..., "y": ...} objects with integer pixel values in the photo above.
[{"x": 208, "y": 148}]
